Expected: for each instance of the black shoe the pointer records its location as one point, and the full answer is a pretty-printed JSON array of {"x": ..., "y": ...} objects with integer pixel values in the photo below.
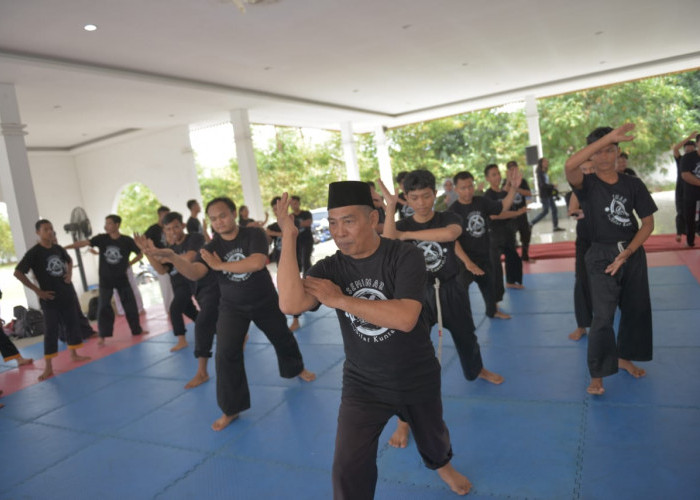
[{"x": 558, "y": 229}]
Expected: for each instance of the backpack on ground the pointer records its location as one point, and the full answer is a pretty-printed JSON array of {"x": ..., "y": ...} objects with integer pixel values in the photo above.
[{"x": 27, "y": 322}]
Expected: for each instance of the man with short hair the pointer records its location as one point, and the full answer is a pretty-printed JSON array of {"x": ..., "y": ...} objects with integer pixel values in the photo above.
[
  {"x": 688, "y": 145},
  {"x": 520, "y": 223},
  {"x": 305, "y": 243},
  {"x": 115, "y": 249},
  {"x": 622, "y": 167},
  {"x": 52, "y": 268},
  {"x": 616, "y": 262},
  {"x": 156, "y": 235},
  {"x": 690, "y": 173},
  {"x": 377, "y": 287},
  {"x": 238, "y": 258}
]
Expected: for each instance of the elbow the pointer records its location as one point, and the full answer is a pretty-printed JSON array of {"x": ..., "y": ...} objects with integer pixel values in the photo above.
[{"x": 408, "y": 324}]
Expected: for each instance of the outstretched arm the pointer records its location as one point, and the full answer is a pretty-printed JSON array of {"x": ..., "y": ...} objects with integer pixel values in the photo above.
[
  {"x": 677, "y": 147},
  {"x": 78, "y": 244}
]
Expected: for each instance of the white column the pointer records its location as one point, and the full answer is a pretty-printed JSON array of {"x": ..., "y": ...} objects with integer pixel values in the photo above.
[
  {"x": 247, "y": 165},
  {"x": 16, "y": 179},
  {"x": 383, "y": 158},
  {"x": 351, "y": 167},
  {"x": 533, "y": 128}
]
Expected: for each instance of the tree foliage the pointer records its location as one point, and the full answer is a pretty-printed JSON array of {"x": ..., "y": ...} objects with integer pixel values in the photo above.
[
  {"x": 7, "y": 244},
  {"x": 137, "y": 207}
]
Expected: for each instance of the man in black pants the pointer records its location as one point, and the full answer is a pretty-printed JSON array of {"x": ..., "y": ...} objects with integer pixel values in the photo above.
[
  {"x": 377, "y": 287},
  {"x": 474, "y": 245},
  {"x": 52, "y": 268},
  {"x": 435, "y": 234},
  {"x": 520, "y": 223},
  {"x": 616, "y": 262},
  {"x": 114, "y": 249},
  {"x": 305, "y": 243},
  {"x": 206, "y": 291},
  {"x": 688, "y": 145},
  {"x": 237, "y": 257},
  {"x": 690, "y": 173},
  {"x": 503, "y": 237}
]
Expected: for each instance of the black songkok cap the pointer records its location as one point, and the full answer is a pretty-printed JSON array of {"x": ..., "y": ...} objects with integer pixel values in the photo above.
[{"x": 347, "y": 193}]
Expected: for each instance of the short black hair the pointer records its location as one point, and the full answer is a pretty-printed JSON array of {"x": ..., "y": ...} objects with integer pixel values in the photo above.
[
  {"x": 222, "y": 199},
  {"x": 274, "y": 201},
  {"x": 190, "y": 204},
  {"x": 462, "y": 176},
  {"x": 689, "y": 143},
  {"x": 296, "y": 198},
  {"x": 418, "y": 179},
  {"x": 114, "y": 218},
  {"x": 488, "y": 167},
  {"x": 171, "y": 217},
  {"x": 400, "y": 176},
  {"x": 511, "y": 163},
  {"x": 598, "y": 134},
  {"x": 40, "y": 223},
  {"x": 162, "y": 209},
  {"x": 624, "y": 155}
]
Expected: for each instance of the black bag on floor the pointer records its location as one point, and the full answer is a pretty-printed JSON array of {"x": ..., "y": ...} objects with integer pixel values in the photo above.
[{"x": 28, "y": 322}]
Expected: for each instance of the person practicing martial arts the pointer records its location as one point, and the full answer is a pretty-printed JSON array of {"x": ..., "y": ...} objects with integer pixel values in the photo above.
[
  {"x": 205, "y": 290},
  {"x": 521, "y": 223},
  {"x": 690, "y": 173},
  {"x": 434, "y": 233},
  {"x": 237, "y": 256},
  {"x": 616, "y": 262},
  {"x": 114, "y": 249},
  {"x": 52, "y": 268},
  {"x": 377, "y": 287},
  {"x": 474, "y": 245}
]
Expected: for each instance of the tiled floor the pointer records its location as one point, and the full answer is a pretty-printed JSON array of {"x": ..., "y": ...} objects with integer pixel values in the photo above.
[{"x": 122, "y": 426}]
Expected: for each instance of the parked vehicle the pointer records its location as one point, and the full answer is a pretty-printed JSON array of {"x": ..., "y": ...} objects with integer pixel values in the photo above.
[{"x": 319, "y": 226}]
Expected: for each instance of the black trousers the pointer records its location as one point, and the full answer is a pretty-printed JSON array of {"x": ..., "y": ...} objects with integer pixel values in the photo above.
[
  {"x": 105, "y": 317},
  {"x": 205, "y": 324},
  {"x": 628, "y": 288},
  {"x": 60, "y": 310},
  {"x": 232, "y": 391},
  {"x": 457, "y": 318},
  {"x": 583, "y": 307},
  {"x": 304, "y": 251},
  {"x": 503, "y": 243},
  {"x": 360, "y": 423},
  {"x": 8, "y": 350},
  {"x": 181, "y": 305},
  {"x": 484, "y": 281},
  {"x": 522, "y": 226},
  {"x": 680, "y": 209},
  {"x": 689, "y": 207}
]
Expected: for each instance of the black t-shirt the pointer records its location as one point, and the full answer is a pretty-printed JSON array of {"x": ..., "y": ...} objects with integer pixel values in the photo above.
[
  {"x": 499, "y": 225},
  {"x": 114, "y": 258},
  {"x": 476, "y": 223},
  {"x": 629, "y": 171},
  {"x": 381, "y": 363},
  {"x": 305, "y": 237},
  {"x": 519, "y": 201},
  {"x": 690, "y": 162},
  {"x": 49, "y": 266},
  {"x": 440, "y": 258},
  {"x": 276, "y": 242},
  {"x": 243, "y": 291},
  {"x": 156, "y": 235},
  {"x": 194, "y": 226},
  {"x": 192, "y": 242},
  {"x": 608, "y": 207}
]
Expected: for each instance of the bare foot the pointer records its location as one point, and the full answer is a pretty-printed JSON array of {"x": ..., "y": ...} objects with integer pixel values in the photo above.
[
  {"x": 23, "y": 362},
  {"x": 577, "y": 334},
  {"x": 678, "y": 238},
  {"x": 198, "y": 379},
  {"x": 517, "y": 286},
  {"x": 101, "y": 342},
  {"x": 501, "y": 315},
  {"x": 295, "y": 325},
  {"x": 181, "y": 344},
  {"x": 596, "y": 387},
  {"x": 399, "y": 439},
  {"x": 456, "y": 481},
  {"x": 307, "y": 376},
  {"x": 143, "y": 332},
  {"x": 223, "y": 421},
  {"x": 492, "y": 377},
  {"x": 630, "y": 367},
  {"x": 74, "y": 356},
  {"x": 48, "y": 372}
]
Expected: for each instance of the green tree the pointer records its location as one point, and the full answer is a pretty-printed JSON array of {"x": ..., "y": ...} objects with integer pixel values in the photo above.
[
  {"x": 7, "y": 244},
  {"x": 137, "y": 207},
  {"x": 224, "y": 181}
]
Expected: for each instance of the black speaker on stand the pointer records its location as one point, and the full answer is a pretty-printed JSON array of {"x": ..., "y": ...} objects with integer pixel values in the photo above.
[{"x": 531, "y": 154}]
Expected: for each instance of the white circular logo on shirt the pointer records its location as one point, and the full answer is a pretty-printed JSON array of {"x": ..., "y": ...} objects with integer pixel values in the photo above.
[
  {"x": 476, "y": 226},
  {"x": 617, "y": 214},
  {"x": 234, "y": 256},
  {"x": 517, "y": 198},
  {"x": 407, "y": 211},
  {"x": 55, "y": 266},
  {"x": 696, "y": 170},
  {"x": 434, "y": 255},
  {"x": 113, "y": 255},
  {"x": 363, "y": 327}
]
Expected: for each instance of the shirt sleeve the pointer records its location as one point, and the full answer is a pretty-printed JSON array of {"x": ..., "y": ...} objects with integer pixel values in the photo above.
[
  {"x": 411, "y": 275},
  {"x": 258, "y": 241},
  {"x": 132, "y": 247},
  {"x": 644, "y": 204},
  {"x": 66, "y": 255},
  {"x": 195, "y": 242},
  {"x": 24, "y": 265}
]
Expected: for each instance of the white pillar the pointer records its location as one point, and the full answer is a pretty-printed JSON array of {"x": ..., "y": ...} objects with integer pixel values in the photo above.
[
  {"x": 533, "y": 128},
  {"x": 351, "y": 167},
  {"x": 383, "y": 158},
  {"x": 16, "y": 179},
  {"x": 247, "y": 165}
]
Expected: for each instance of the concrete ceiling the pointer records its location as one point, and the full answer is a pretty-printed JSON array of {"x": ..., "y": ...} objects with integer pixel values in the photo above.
[{"x": 318, "y": 63}]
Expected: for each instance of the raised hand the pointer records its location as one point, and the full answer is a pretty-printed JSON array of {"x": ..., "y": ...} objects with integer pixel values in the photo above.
[
  {"x": 391, "y": 199},
  {"x": 620, "y": 133},
  {"x": 212, "y": 259},
  {"x": 285, "y": 219}
]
